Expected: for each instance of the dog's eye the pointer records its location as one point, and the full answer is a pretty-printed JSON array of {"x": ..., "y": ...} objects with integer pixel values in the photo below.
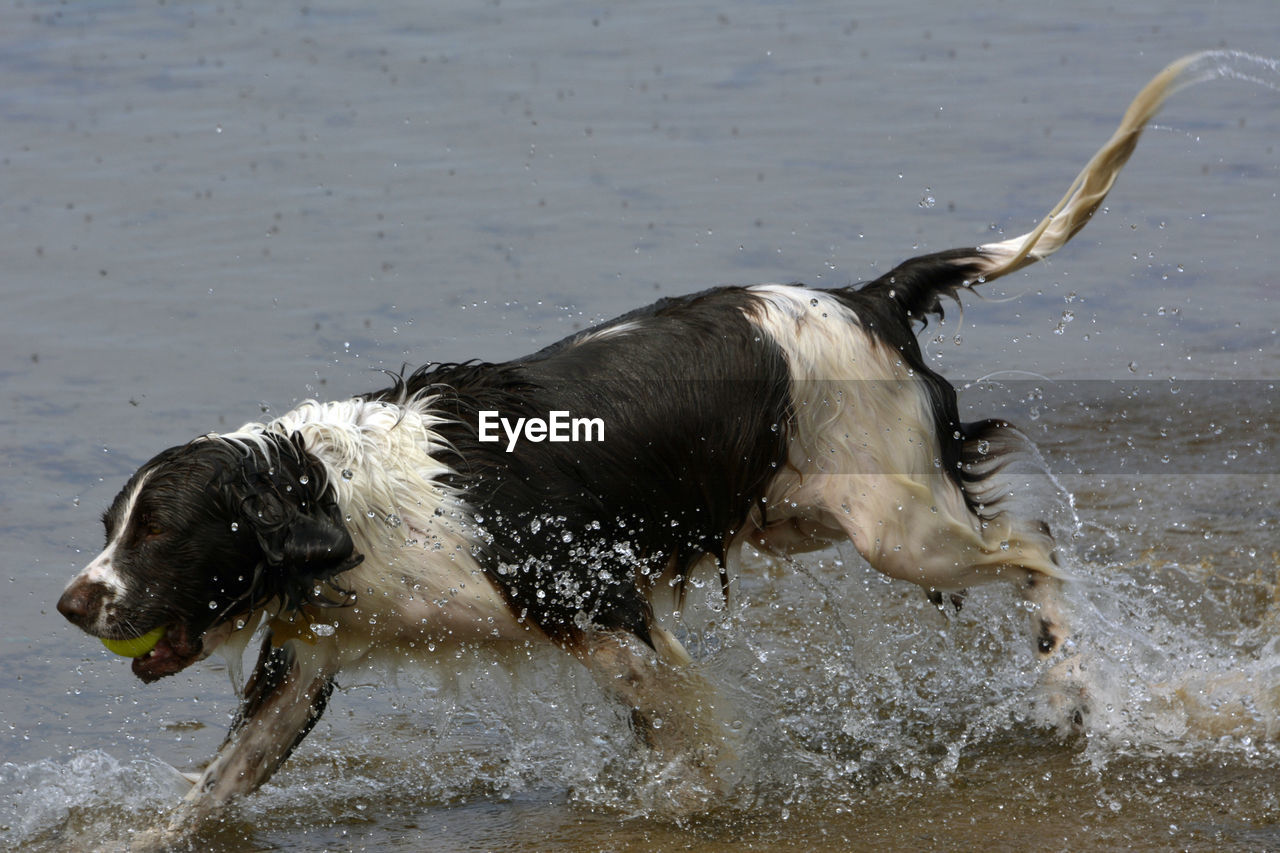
[{"x": 150, "y": 527}]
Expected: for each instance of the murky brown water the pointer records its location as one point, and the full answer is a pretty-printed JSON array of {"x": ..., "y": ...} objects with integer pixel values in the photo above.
[{"x": 214, "y": 209}]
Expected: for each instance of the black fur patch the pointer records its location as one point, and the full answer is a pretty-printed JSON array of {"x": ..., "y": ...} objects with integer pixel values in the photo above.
[
  {"x": 264, "y": 525},
  {"x": 695, "y": 403},
  {"x": 283, "y": 498}
]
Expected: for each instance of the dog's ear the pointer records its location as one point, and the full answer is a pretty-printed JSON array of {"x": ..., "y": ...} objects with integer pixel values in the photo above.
[
  {"x": 302, "y": 547},
  {"x": 313, "y": 545},
  {"x": 282, "y": 498}
]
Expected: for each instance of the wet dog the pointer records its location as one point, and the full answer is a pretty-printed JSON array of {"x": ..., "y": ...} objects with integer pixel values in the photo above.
[{"x": 548, "y": 499}]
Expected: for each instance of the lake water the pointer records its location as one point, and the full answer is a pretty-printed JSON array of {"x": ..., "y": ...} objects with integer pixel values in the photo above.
[{"x": 215, "y": 210}]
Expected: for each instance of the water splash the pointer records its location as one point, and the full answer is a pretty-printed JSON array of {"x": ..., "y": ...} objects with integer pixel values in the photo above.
[
  {"x": 1233, "y": 65},
  {"x": 75, "y": 804}
]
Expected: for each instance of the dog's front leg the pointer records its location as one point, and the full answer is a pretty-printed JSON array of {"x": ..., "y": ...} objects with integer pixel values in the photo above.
[
  {"x": 284, "y": 698},
  {"x": 672, "y": 711},
  {"x": 666, "y": 710}
]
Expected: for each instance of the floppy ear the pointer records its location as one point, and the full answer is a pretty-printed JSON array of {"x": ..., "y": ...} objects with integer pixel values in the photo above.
[
  {"x": 314, "y": 546},
  {"x": 285, "y": 502},
  {"x": 301, "y": 551}
]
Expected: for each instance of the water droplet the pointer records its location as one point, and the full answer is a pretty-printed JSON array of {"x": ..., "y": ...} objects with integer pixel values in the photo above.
[
  {"x": 322, "y": 629},
  {"x": 347, "y": 473},
  {"x": 928, "y": 200},
  {"x": 213, "y": 605},
  {"x": 235, "y": 526},
  {"x": 304, "y": 479}
]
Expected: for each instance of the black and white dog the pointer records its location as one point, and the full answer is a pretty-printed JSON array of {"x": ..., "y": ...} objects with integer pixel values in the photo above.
[{"x": 783, "y": 416}]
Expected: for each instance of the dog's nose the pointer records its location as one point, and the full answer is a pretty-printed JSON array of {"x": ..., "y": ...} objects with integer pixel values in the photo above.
[{"x": 80, "y": 602}]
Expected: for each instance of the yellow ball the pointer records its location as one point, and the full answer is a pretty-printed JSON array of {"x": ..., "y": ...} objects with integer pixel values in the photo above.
[{"x": 138, "y": 646}]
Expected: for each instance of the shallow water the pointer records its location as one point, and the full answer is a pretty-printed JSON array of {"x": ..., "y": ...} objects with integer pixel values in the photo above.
[{"x": 216, "y": 210}]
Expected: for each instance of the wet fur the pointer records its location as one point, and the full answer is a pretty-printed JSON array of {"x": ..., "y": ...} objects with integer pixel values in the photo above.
[{"x": 786, "y": 416}]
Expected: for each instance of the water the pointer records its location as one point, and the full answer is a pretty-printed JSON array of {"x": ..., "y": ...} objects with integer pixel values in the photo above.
[{"x": 216, "y": 210}]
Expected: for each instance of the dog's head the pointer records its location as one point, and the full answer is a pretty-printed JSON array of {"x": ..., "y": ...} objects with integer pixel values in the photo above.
[{"x": 202, "y": 536}]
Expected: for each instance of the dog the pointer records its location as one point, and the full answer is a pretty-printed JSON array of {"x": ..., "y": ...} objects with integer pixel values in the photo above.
[{"x": 444, "y": 510}]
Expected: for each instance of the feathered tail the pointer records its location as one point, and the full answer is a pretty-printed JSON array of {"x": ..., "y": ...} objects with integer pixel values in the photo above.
[{"x": 918, "y": 283}]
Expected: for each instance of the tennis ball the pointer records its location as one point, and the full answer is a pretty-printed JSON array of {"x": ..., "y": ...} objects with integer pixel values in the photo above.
[{"x": 138, "y": 646}]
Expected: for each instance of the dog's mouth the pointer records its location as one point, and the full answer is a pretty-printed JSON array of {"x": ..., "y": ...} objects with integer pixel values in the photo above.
[{"x": 176, "y": 650}]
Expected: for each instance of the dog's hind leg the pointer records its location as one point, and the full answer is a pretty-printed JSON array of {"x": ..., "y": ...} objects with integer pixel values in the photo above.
[
  {"x": 921, "y": 529},
  {"x": 1008, "y": 482}
]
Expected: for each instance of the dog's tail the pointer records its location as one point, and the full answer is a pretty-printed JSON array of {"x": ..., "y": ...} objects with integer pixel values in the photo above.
[{"x": 917, "y": 284}]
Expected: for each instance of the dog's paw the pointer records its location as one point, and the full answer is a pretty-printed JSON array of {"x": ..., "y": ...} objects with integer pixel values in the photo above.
[
  {"x": 682, "y": 786},
  {"x": 651, "y": 784},
  {"x": 1066, "y": 695},
  {"x": 158, "y": 840}
]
